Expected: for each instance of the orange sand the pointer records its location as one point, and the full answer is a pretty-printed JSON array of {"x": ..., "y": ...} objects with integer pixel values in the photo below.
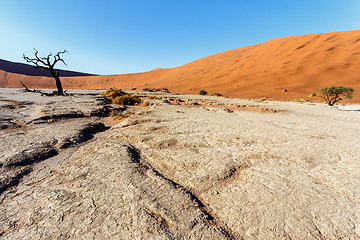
[{"x": 301, "y": 64}]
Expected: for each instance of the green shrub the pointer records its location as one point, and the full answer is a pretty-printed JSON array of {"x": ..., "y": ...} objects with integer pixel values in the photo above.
[
  {"x": 302, "y": 100},
  {"x": 112, "y": 93},
  {"x": 152, "y": 97},
  {"x": 165, "y": 90},
  {"x": 216, "y": 94},
  {"x": 107, "y": 91},
  {"x": 313, "y": 94},
  {"x": 120, "y": 97},
  {"x": 334, "y": 94},
  {"x": 148, "y": 90},
  {"x": 127, "y": 100},
  {"x": 285, "y": 90},
  {"x": 203, "y": 92}
]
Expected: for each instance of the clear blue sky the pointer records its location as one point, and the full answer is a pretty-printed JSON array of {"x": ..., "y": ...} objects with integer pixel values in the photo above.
[{"x": 124, "y": 36}]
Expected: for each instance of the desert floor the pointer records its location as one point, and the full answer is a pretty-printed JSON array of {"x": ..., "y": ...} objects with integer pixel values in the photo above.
[{"x": 185, "y": 167}]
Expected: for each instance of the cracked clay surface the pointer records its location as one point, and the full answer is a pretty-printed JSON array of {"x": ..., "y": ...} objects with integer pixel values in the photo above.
[{"x": 183, "y": 172}]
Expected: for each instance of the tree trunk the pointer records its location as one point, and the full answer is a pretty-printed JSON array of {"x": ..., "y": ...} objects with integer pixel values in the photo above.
[
  {"x": 57, "y": 81},
  {"x": 59, "y": 86}
]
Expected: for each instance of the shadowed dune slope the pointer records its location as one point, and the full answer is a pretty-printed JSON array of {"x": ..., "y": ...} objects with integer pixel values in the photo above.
[
  {"x": 26, "y": 69},
  {"x": 301, "y": 64}
]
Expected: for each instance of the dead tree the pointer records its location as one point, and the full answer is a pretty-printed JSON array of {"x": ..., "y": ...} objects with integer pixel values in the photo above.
[{"x": 46, "y": 63}]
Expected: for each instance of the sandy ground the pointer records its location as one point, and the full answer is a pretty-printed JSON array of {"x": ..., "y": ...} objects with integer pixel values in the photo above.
[{"x": 193, "y": 167}]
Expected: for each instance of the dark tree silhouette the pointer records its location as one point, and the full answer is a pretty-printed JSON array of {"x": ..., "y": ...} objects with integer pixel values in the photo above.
[{"x": 48, "y": 63}]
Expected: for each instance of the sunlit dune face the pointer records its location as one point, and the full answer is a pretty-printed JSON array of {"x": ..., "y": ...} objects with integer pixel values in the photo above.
[{"x": 300, "y": 64}]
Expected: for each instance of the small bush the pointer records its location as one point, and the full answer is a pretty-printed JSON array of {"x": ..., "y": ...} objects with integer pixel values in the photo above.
[
  {"x": 127, "y": 100},
  {"x": 112, "y": 93},
  {"x": 148, "y": 90},
  {"x": 107, "y": 91},
  {"x": 165, "y": 90},
  {"x": 302, "y": 100},
  {"x": 216, "y": 94},
  {"x": 146, "y": 103},
  {"x": 152, "y": 97},
  {"x": 203, "y": 92},
  {"x": 285, "y": 90},
  {"x": 120, "y": 97},
  {"x": 313, "y": 94}
]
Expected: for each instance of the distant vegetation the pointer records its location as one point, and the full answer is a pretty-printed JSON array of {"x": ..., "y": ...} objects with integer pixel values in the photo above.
[
  {"x": 334, "y": 94},
  {"x": 203, "y": 92},
  {"x": 216, "y": 94},
  {"x": 156, "y": 90},
  {"x": 302, "y": 100},
  {"x": 120, "y": 97}
]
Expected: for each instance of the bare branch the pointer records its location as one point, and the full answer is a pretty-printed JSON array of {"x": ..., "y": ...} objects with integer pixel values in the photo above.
[
  {"x": 57, "y": 58},
  {"x": 45, "y": 62},
  {"x": 38, "y": 62},
  {"x": 26, "y": 88},
  {"x": 39, "y": 59}
]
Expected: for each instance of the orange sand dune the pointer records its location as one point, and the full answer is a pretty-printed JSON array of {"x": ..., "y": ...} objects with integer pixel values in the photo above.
[{"x": 301, "y": 64}]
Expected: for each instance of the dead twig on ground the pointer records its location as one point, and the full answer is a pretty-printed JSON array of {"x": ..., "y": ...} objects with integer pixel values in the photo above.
[{"x": 54, "y": 93}]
